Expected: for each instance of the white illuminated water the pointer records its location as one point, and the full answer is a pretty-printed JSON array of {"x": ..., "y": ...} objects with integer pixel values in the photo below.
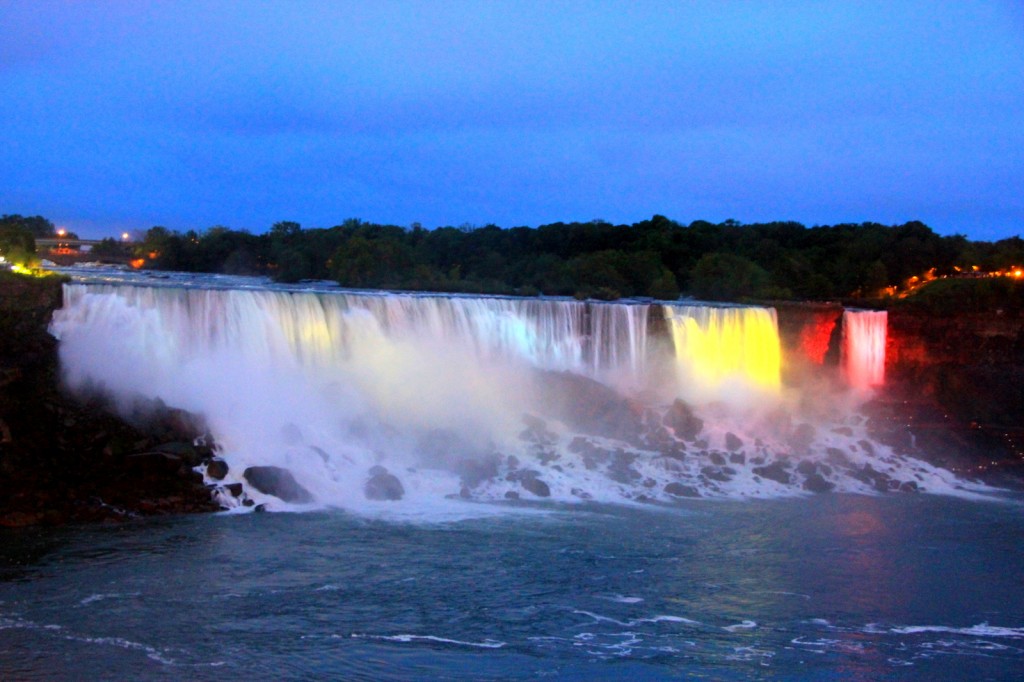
[
  {"x": 467, "y": 397},
  {"x": 863, "y": 350}
]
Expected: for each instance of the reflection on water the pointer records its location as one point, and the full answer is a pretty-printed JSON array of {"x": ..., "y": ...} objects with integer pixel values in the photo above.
[{"x": 848, "y": 587}]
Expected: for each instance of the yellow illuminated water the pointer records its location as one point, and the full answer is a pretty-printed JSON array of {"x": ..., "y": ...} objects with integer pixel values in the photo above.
[{"x": 716, "y": 347}]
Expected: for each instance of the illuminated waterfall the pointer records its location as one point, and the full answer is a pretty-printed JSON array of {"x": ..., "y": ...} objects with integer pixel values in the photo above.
[
  {"x": 257, "y": 359},
  {"x": 863, "y": 349},
  {"x": 333, "y": 386},
  {"x": 722, "y": 351}
]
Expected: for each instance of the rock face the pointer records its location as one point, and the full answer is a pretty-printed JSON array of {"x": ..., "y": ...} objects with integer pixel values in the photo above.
[
  {"x": 68, "y": 459},
  {"x": 681, "y": 419},
  {"x": 383, "y": 485},
  {"x": 278, "y": 482},
  {"x": 589, "y": 406}
]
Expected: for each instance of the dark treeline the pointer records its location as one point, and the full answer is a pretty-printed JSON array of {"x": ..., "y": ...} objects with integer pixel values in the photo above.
[{"x": 659, "y": 258}]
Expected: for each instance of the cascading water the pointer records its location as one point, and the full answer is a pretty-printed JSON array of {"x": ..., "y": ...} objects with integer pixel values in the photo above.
[
  {"x": 725, "y": 350},
  {"x": 863, "y": 350},
  {"x": 435, "y": 391}
]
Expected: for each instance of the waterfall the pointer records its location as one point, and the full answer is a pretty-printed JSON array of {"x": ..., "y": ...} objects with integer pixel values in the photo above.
[
  {"x": 435, "y": 391},
  {"x": 863, "y": 349},
  {"x": 725, "y": 351}
]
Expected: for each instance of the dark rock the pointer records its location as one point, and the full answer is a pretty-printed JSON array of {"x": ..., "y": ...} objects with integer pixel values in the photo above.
[
  {"x": 217, "y": 469},
  {"x": 880, "y": 481},
  {"x": 837, "y": 457},
  {"x": 186, "y": 451},
  {"x": 383, "y": 485},
  {"x": 681, "y": 419},
  {"x": 589, "y": 406},
  {"x": 802, "y": 437},
  {"x": 234, "y": 489},
  {"x": 816, "y": 483},
  {"x": 843, "y": 431},
  {"x": 582, "y": 494},
  {"x": 511, "y": 495},
  {"x": 737, "y": 458},
  {"x": 280, "y": 483},
  {"x": 579, "y": 444},
  {"x": 715, "y": 474},
  {"x": 154, "y": 462},
  {"x": 733, "y": 442},
  {"x": 776, "y": 471},
  {"x": 807, "y": 467},
  {"x": 679, "y": 490},
  {"x": 717, "y": 458},
  {"x": 909, "y": 487},
  {"x": 535, "y": 486}
]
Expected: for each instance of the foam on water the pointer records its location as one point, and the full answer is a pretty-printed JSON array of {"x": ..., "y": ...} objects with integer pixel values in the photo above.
[{"x": 480, "y": 399}]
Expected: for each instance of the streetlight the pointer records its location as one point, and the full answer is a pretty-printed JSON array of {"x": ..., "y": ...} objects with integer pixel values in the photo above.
[{"x": 124, "y": 236}]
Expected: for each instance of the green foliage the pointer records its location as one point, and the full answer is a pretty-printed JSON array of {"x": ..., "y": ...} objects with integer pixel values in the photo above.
[
  {"x": 17, "y": 245},
  {"x": 658, "y": 257},
  {"x": 109, "y": 248},
  {"x": 976, "y": 295},
  {"x": 728, "y": 277},
  {"x": 38, "y": 226}
]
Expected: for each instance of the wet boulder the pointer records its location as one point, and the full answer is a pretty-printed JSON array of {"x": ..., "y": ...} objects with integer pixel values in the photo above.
[
  {"x": 383, "y": 485},
  {"x": 677, "y": 489},
  {"x": 681, "y": 419},
  {"x": 217, "y": 469},
  {"x": 278, "y": 482},
  {"x": 802, "y": 437},
  {"x": 530, "y": 481},
  {"x": 589, "y": 406},
  {"x": 816, "y": 483},
  {"x": 776, "y": 471},
  {"x": 733, "y": 442}
]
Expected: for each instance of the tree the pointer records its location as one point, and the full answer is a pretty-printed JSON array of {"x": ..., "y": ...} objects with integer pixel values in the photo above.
[
  {"x": 17, "y": 245},
  {"x": 728, "y": 277}
]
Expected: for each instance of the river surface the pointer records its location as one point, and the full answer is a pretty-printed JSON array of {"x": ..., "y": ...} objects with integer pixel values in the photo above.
[{"x": 834, "y": 586}]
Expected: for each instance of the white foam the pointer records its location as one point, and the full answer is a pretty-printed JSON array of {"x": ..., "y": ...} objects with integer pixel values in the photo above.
[
  {"x": 486, "y": 644},
  {"x": 745, "y": 625},
  {"x": 980, "y": 630},
  {"x": 434, "y": 389}
]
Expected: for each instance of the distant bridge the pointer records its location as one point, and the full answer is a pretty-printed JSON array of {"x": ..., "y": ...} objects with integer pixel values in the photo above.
[{"x": 58, "y": 243}]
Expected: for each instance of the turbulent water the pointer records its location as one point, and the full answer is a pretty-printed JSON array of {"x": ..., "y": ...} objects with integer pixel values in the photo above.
[
  {"x": 504, "y": 488},
  {"x": 850, "y": 587},
  {"x": 360, "y": 396}
]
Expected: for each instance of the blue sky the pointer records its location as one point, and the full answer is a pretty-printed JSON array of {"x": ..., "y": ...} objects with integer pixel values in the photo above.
[{"x": 126, "y": 114}]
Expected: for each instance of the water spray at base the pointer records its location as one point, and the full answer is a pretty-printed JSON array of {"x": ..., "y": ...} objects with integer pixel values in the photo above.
[{"x": 367, "y": 401}]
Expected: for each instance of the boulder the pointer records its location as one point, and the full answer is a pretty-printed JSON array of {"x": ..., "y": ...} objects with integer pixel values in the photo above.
[
  {"x": 681, "y": 419},
  {"x": 776, "y": 471},
  {"x": 531, "y": 482},
  {"x": 217, "y": 469},
  {"x": 816, "y": 483},
  {"x": 383, "y": 485},
  {"x": 588, "y": 406},
  {"x": 733, "y": 442},
  {"x": 278, "y": 482},
  {"x": 679, "y": 490}
]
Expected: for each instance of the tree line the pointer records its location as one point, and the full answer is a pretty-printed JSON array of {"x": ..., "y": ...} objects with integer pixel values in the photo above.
[{"x": 658, "y": 258}]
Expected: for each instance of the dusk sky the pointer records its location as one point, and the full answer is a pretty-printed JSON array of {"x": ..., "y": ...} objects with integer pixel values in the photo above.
[{"x": 128, "y": 114}]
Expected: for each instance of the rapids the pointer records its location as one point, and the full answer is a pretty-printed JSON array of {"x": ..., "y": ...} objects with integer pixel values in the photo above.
[{"x": 455, "y": 399}]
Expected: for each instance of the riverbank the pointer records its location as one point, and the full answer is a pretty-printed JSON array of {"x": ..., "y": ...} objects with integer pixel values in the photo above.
[{"x": 66, "y": 460}]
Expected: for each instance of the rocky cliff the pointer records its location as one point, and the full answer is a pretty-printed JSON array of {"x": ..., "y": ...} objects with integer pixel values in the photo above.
[
  {"x": 954, "y": 385},
  {"x": 68, "y": 460}
]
